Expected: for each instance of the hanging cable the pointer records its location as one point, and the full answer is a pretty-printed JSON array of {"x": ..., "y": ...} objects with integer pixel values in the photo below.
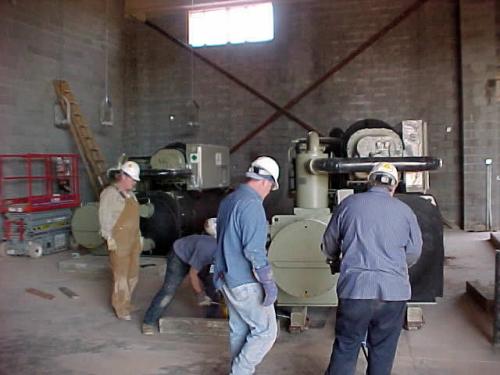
[
  {"x": 106, "y": 115},
  {"x": 193, "y": 105},
  {"x": 62, "y": 115}
]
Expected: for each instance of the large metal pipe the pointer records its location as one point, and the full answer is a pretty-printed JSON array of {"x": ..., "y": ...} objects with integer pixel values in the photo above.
[
  {"x": 176, "y": 214},
  {"x": 351, "y": 165},
  {"x": 312, "y": 190},
  {"x": 496, "y": 320},
  {"x": 166, "y": 173}
]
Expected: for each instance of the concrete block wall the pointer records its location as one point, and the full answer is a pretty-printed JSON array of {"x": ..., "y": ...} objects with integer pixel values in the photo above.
[
  {"x": 54, "y": 39},
  {"x": 410, "y": 73},
  {"x": 480, "y": 27}
]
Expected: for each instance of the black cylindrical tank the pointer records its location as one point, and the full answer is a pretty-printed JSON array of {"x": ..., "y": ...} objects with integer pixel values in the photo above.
[
  {"x": 426, "y": 276},
  {"x": 177, "y": 214}
]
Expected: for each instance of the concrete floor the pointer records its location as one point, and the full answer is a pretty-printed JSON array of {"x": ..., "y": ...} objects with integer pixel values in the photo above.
[{"x": 65, "y": 336}]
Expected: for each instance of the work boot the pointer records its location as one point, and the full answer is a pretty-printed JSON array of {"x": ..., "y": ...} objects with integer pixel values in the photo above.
[
  {"x": 124, "y": 317},
  {"x": 148, "y": 329}
]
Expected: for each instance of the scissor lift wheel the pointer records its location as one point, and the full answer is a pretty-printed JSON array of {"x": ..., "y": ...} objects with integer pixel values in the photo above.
[{"x": 35, "y": 250}]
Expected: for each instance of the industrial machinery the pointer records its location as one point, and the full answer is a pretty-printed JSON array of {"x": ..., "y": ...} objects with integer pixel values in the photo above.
[
  {"x": 181, "y": 185},
  {"x": 36, "y": 202},
  {"x": 324, "y": 171}
]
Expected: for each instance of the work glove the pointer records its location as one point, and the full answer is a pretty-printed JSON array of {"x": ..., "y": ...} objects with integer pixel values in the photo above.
[
  {"x": 265, "y": 277},
  {"x": 334, "y": 264},
  {"x": 203, "y": 299},
  {"x": 112, "y": 244}
]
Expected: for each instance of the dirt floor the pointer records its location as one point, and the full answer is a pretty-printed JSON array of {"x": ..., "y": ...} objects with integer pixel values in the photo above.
[{"x": 82, "y": 336}]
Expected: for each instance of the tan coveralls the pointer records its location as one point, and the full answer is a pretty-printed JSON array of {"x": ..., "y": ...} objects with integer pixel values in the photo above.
[{"x": 125, "y": 231}]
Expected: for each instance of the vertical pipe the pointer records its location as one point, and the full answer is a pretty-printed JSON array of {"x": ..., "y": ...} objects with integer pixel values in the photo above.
[
  {"x": 312, "y": 188},
  {"x": 488, "y": 163},
  {"x": 496, "y": 320},
  {"x": 460, "y": 108}
]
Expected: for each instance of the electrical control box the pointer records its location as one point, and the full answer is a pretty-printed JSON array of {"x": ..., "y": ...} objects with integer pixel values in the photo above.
[{"x": 209, "y": 165}]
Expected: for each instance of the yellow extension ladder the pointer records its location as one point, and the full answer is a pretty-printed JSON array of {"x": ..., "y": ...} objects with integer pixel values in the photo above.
[{"x": 89, "y": 151}]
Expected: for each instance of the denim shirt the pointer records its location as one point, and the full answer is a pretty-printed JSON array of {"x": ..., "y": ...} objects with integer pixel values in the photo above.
[
  {"x": 379, "y": 238},
  {"x": 197, "y": 250},
  {"x": 241, "y": 238}
]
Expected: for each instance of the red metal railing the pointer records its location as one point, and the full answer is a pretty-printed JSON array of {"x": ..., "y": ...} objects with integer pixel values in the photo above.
[{"x": 49, "y": 181}]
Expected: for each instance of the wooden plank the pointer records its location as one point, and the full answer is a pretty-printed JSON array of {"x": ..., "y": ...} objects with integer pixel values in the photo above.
[
  {"x": 69, "y": 293},
  {"x": 194, "y": 326},
  {"x": 39, "y": 293}
]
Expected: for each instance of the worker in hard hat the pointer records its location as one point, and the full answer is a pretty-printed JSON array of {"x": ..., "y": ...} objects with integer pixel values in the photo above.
[
  {"x": 119, "y": 221},
  {"x": 191, "y": 255},
  {"x": 242, "y": 270},
  {"x": 377, "y": 237}
]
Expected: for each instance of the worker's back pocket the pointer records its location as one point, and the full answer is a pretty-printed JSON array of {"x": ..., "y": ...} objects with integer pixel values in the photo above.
[{"x": 245, "y": 292}]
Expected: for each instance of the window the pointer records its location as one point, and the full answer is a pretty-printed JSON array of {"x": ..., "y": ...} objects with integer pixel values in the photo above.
[{"x": 237, "y": 24}]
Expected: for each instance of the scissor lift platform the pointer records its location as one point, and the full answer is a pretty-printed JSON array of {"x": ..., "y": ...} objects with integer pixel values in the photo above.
[{"x": 36, "y": 203}]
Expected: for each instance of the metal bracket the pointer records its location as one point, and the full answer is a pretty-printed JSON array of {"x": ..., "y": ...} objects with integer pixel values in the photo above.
[{"x": 62, "y": 120}]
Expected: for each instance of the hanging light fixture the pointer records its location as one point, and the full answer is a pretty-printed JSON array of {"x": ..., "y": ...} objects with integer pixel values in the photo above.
[
  {"x": 106, "y": 110},
  {"x": 192, "y": 106},
  {"x": 62, "y": 118}
]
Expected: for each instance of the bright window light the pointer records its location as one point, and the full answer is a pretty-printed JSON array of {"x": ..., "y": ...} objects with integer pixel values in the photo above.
[{"x": 238, "y": 24}]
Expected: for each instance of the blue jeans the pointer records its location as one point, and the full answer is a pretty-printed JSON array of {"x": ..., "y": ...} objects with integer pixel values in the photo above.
[
  {"x": 252, "y": 327},
  {"x": 382, "y": 320},
  {"x": 174, "y": 275}
]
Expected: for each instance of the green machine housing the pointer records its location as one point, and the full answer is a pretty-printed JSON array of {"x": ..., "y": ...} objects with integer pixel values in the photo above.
[{"x": 324, "y": 170}]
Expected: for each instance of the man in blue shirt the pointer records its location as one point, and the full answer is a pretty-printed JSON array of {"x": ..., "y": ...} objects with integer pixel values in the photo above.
[
  {"x": 378, "y": 238},
  {"x": 191, "y": 255},
  {"x": 242, "y": 270}
]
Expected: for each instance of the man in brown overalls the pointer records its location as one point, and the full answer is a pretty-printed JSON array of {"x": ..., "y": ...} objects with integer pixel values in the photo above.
[{"x": 119, "y": 220}]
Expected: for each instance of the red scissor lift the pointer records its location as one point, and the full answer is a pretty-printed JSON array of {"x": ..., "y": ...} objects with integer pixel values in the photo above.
[{"x": 36, "y": 202}]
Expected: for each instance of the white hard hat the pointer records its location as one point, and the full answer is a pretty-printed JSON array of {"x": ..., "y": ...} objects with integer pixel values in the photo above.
[
  {"x": 211, "y": 226},
  {"x": 386, "y": 173},
  {"x": 265, "y": 168},
  {"x": 131, "y": 168}
]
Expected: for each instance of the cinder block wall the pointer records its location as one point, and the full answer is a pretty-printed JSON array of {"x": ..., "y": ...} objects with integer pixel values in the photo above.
[
  {"x": 54, "y": 39},
  {"x": 480, "y": 25},
  {"x": 410, "y": 73}
]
